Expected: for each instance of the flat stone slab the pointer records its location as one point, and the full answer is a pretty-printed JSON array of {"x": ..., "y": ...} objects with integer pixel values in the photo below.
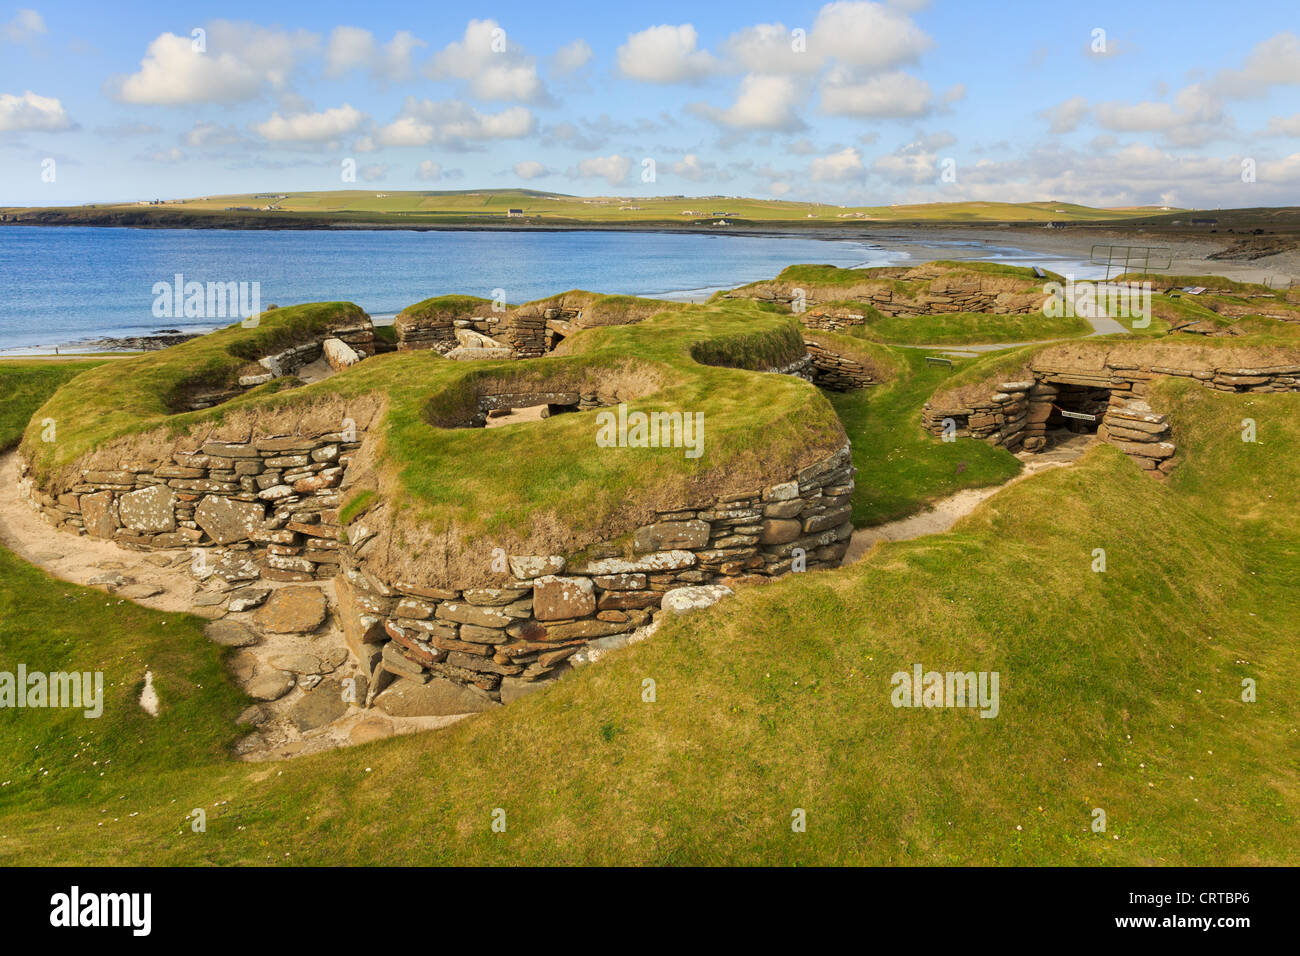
[
  {"x": 245, "y": 599},
  {"x": 230, "y": 634},
  {"x": 293, "y": 610},
  {"x": 321, "y": 705},
  {"x": 300, "y": 664},
  {"x": 437, "y": 698},
  {"x": 269, "y": 685}
]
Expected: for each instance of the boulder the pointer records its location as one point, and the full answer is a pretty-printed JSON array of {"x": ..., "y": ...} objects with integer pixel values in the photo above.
[{"x": 339, "y": 354}]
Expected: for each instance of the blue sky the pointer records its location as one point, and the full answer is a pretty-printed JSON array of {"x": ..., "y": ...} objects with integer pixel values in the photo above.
[{"x": 1192, "y": 104}]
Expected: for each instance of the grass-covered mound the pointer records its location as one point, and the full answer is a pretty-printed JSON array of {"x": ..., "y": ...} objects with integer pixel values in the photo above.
[
  {"x": 1119, "y": 690},
  {"x": 24, "y": 387},
  {"x": 464, "y": 492},
  {"x": 938, "y": 303},
  {"x": 130, "y": 395}
]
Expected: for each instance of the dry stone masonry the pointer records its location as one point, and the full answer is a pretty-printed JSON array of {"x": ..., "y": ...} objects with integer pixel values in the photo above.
[
  {"x": 1109, "y": 384},
  {"x": 449, "y": 650}
]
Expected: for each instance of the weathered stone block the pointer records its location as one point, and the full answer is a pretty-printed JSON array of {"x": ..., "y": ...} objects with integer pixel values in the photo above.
[
  {"x": 148, "y": 510},
  {"x": 559, "y": 598}
]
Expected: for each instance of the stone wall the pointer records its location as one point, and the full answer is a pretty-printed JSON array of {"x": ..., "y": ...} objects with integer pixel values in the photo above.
[
  {"x": 528, "y": 331},
  {"x": 275, "y": 498},
  {"x": 359, "y": 337},
  {"x": 1015, "y": 414},
  {"x": 944, "y": 294},
  {"x": 269, "y": 507},
  {"x": 447, "y": 648},
  {"x": 837, "y": 372}
]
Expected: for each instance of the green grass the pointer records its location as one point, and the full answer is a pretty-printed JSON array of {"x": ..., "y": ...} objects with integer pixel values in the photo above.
[
  {"x": 24, "y": 387},
  {"x": 1119, "y": 690},
  {"x": 901, "y": 467},
  {"x": 972, "y": 328}
]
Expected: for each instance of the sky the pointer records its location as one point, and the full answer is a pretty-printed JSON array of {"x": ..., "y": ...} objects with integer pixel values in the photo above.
[{"x": 855, "y": 103}]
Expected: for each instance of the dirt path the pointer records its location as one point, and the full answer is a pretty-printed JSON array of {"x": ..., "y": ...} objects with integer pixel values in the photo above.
[
  {"x": 170, "y": 581},
  {"x": 945, "y": 513}
]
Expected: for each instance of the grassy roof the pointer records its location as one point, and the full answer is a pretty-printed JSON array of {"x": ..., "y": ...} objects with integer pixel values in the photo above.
[{"x": 548, "y": 482}]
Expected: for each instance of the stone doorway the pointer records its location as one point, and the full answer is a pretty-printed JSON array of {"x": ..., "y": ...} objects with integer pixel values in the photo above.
[{"x": 1077, "y": 410}]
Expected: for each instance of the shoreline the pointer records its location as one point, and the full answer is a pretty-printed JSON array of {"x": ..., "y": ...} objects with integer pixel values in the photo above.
[{"x": 907, "y": 244}]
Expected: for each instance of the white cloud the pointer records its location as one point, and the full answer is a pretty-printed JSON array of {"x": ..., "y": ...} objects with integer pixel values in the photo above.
[
  {"x": 348, "y": 48},
  {"x": 1192, "y": 105},
  {"x": 352, "y": 48},
  {"x": 452, "y": 123},
  {"x": 613, "y": 169},
  {"x": 428, "y": 170},
  {"x": 1065, "y": 117},
  {"x": 907, "y": 166},
  {"x": 530, "y": 169},
  {"x": 895, "y": 94},
  {"x": 207, "y": 135},
  {"x": 26, "y": 25},
  {"x": 171, "y": 155},
  {"x": 693, "y": 168},
  {"x": 492, "y": 66},
  {"x": 870, "y": 36},
  {"x": 844, "y": 166},
  {"x": 778, "y": 188},
  {"x": 1275, "y": 62},
  {"x": 311, "y": 127},
  {"x": 241, "y": 60},
  {"x": 573, "y": 56},
  {"x": 665, "y": 54},
  {"x": 1283, "y": 125},
  {"x": 374, "y": 172},
  {"x": 32, "y": 112},
  {"x": 764, "y": 101},
  {"x": 771, "y": 48}
]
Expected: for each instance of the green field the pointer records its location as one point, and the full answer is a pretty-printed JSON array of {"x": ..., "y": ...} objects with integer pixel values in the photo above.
[
  {"x": 493, "y": 206},
  {"x": 1119, "y": 691}
]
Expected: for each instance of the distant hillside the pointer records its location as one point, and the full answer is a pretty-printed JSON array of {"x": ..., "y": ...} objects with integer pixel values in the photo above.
[{"x": 527, "y": 207}]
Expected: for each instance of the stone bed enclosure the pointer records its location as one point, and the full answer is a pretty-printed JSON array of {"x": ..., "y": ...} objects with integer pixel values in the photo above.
[{"x": 1108, "y": 382}]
